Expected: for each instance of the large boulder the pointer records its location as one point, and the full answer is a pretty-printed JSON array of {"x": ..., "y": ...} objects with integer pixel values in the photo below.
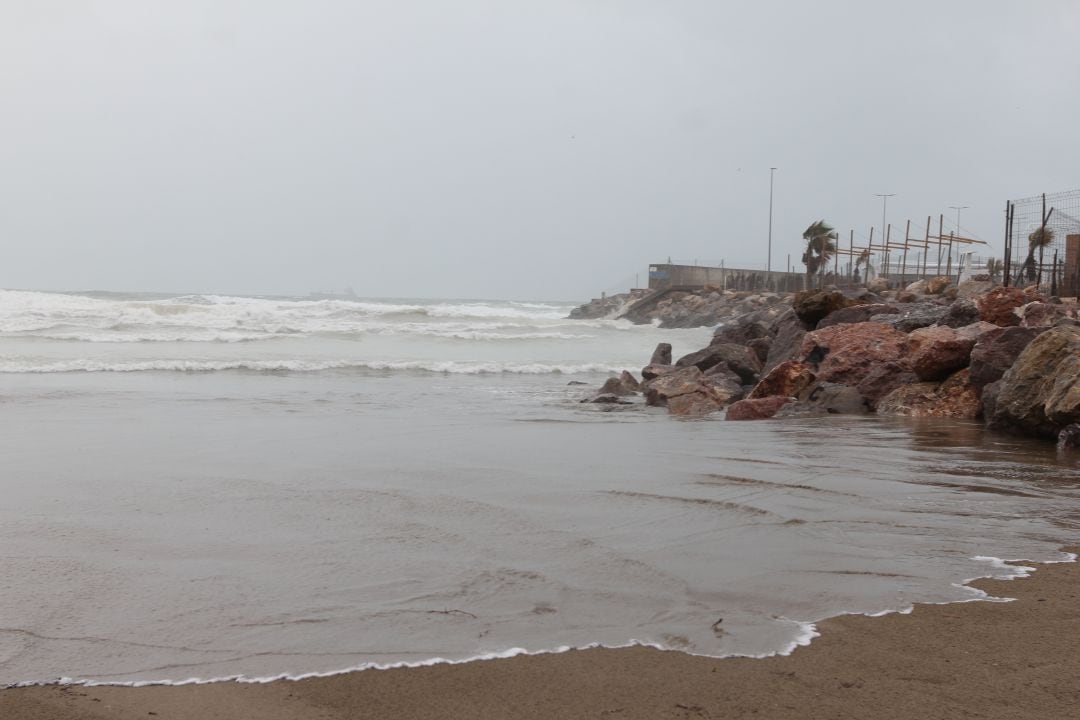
[
  {"x": 659, "y": 390},
  {"x": 739, "y": 359},
  {"x": 1040, "y": 394},
  {"x": 883, "y": 379},
  {"x": 995, "y": 352},
  {"x": 698, "y": 403},
  {"x": 625, "y": 384},
  {"x": 650, "y": 372},
  {"x": 989, "y": 399},
  {"x": 972, "y": 289},
  {"x": 724, "y": 389},
  {"x": 661, "y": 355},
  {"x": 846, "y": 354},
  {"x": 1042, "y": 314},
  {"x": 826, "y": 399},
  {"x": 688, "y": 392},
  {"x": 939, "y": 351},
  {"x": 1000, "y": 304},
  {"x": 761, "y": 347},
  {"x": 857, "y": 314},
  {"x": 721, "y": 372},
  {"x": 787, "y": 379},
  {"x": 917, "y": 316},
  {"x": 744, "y": 328},
  {"x": 960, "y": 313},
  {"x": 976, "y": 330},
  {"x": 954, "y": 398},
  {"x": 788, "y": 332},
  {"x": 812, "y": 306},
  {"x": 877, "y": 285},
  {"x": 937, "y": 285},
  {"x": 758, "y": 409}
]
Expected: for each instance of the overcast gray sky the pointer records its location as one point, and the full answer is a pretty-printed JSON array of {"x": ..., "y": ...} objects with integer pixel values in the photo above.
[{"x": 502, "y": 148}]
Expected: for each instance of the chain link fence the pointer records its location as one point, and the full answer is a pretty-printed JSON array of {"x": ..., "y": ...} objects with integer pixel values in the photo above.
[{"x": 1042, "y": 242}]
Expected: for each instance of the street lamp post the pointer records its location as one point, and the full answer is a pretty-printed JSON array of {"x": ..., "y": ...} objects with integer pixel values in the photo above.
[
  {"x": 884, "y": 201},
  {"x": 958, "y": 208},
  {"x": 768, "y": 262}
]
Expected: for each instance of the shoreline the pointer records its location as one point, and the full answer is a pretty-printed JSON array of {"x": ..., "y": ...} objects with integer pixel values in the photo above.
[{"x": 935, "y": 661}]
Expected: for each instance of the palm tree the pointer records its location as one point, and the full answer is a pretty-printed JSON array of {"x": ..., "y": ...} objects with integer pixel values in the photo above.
[
  {"x": 1039, "y": 239},
  {"x": 994, "y": 268},
  {"x": 820, "y": 248},
  {"x": 864, "y": 259}
]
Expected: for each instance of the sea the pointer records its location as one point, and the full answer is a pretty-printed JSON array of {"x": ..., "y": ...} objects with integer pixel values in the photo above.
[{"x": 200, "y": 487}]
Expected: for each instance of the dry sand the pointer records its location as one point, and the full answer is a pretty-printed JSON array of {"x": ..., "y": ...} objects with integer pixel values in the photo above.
[{"x": 973, "y": 660}]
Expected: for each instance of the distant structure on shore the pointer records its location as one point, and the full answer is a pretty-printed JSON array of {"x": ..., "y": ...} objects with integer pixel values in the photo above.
[{"x": 667, "y": 276}]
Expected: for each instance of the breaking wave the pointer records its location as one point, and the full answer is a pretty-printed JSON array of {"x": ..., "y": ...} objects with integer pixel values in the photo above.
[
  {"x": 300, "y": 366},
  {"x": 44, "y": 332}
]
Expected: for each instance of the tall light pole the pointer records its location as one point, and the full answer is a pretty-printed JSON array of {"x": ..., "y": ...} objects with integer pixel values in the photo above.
[
  {"x": 884, "y": 202},
  {"x": 768, "y": 263},
  {"x": 958, "y": 208}
]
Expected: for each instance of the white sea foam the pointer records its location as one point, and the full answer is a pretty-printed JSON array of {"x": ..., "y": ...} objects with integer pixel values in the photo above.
[
  {"x": 300, "y": 366},
  {"x": 57, "y": 333},
  {"x": 27, "y": 312},
  {"x": 804, "y": 634}
]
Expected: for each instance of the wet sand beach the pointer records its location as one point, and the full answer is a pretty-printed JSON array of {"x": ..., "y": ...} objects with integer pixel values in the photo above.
[{"x": 972, "y": 660}]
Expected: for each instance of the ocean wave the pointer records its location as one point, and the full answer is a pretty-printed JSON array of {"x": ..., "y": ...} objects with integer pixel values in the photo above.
[
  {"x": 301, "y": 366},
  {"x": 37, "y": 312},
  {"x": 169, "y": 334}
]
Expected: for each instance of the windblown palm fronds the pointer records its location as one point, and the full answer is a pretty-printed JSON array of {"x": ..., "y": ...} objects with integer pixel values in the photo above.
[{"x": 820, "y": 247}]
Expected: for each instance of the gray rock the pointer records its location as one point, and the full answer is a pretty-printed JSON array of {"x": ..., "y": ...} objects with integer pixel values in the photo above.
[
  {"x": 1069, "y": 437},
  {"x": 961, "y": 313},
  {"x": 625, "y": 384},
  {"x": 918, "y": 317},
  {"x": 760, "y": 347},
  {"x": 788, "y": 334},
  {"x": 857, "y": 314},
  {"x": 739, "y": 359},
  {"x": 1040, "y": 393},
  {"x": 654, "y": 371},
  {"x": 661, "y": 355},
  {"x": 996, "y": 350},
  {"x": 607, "y": 399},
  {"x": 827, "y": 399}
]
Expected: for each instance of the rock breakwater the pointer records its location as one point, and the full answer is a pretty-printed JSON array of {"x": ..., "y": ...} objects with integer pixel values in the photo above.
[{"x": 1006, "y": 355}]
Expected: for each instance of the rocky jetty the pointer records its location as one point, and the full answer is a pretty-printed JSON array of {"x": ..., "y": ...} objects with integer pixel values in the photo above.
[
  {"x": 1006, "y": 355},
  {"x": 706, "y": 307},
  {"x": 609, "y": 306}
]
